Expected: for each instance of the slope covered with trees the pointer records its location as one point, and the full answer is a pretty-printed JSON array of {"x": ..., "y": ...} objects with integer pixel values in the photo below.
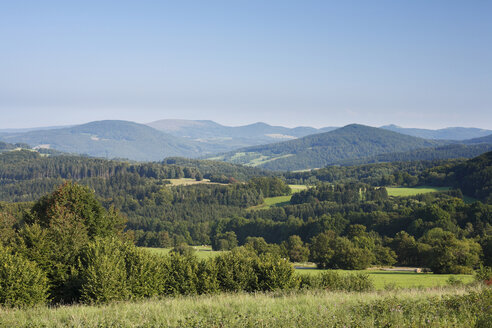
[{"x": 350, "y": 142}]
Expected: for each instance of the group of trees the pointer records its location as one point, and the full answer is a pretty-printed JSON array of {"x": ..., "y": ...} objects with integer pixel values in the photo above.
[{"x": 68, "y": 248}]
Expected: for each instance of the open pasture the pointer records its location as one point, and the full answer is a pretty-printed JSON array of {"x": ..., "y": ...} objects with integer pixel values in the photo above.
[
  {"x": 202, "y": 252},
  {"x": 402, "y": 192},
  {"x": 269, "y": 202},
  {"x": 188, "y": 182},
  {"x": 401, "y": 279}
]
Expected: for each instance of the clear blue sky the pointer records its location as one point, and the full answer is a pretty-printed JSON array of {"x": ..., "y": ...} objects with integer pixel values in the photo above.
[{"x": 318, "y": 63}]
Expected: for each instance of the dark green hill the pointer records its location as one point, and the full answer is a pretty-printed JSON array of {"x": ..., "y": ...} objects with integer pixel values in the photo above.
[
  {"x": 113, "y": 139},
  {"x": 425, "y": 154},
  {"x": 350, "y": 142},
  {"x": 473, "y": 177}
]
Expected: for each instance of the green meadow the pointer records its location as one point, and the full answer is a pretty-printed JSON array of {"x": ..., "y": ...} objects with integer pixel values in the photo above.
[
  {"x": 202, "y": 252},
  {"x": 402, "y": 279},
  {"x": 269, "y": 202},
  {"x": 402, "y": 192}
]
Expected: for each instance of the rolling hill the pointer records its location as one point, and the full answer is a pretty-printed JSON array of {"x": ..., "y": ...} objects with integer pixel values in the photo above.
[
  {"x": 210, "y": 132},
  {"x": 318, "y": 150},
  {"x": 113, "y": 139}
]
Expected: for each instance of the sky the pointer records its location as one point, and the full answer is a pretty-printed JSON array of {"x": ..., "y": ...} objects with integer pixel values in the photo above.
[{"x": 412, "y": 63}]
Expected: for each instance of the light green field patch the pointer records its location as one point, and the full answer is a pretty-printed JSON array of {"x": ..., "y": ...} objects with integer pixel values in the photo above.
[
  {"x": 202, "y": 252},
  {"x": 297, "y": 188},
  {"x": 269, "y": 202},
  {"x": 402, "y": 192},
  {"x": 265, "y": 159},
  {"x": 189, "y": 181},
  {"x": 400, "y": 279}
]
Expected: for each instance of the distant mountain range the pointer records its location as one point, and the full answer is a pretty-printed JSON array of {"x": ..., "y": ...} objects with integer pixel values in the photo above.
[
  {"x": 210, "y": 132},
  {"x": 112, "y": 139},
  {"x": 259, "y": 144},
  {"x": 456, "y": 133}
]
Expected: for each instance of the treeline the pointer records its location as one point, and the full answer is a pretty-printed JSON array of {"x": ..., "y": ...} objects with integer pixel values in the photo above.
[
  {"x": 473, "y": 177},
  {"x": 217, "y": 168},
  {"x": 453, "y": 151},
  {"x": 362, "y": 226},
  {"x": 380, "y": 174}
]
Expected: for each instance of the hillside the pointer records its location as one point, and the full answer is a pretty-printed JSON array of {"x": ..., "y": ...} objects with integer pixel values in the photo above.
[
  {"x": 210, "y": 132},
  {"x": 473, "y": 177},
  {"x": 425, "y": 154},
  {"x": 454, "y": 133},
  {"x": 113, "y": 139},
  {"x": 486, "y": 139},
  {"x": 350, "y": 142}
]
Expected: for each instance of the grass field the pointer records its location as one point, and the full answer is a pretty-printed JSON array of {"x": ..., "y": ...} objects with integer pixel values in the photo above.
[
  {"x": 401, "y": 191},
  {"x": 188, "y": 182},
  {"x": 398, "y": 279},
  {"x": 448, "y": 307},
  {"x": 202, "y": 252},
  {"x": 269, "y": 202}
]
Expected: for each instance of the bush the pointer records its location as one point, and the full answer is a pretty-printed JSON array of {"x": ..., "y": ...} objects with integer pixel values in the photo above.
[
  {"x": 235, "y": 271},
  {"x": 103, "y": 273},
  {"x": 484, "y": 274},
  {"x": 147, "y": 273},
  {"x": 274, "y": 273},
  {"x": 183, "y": 249},
  {"x": 22, "y": 282},
  {"x": 182, "y": 277}
]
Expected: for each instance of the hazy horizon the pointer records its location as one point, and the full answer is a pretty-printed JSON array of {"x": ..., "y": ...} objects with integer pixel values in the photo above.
[
  {"x": 272, "y": 124},
  {"x": 312, "y": 63}
]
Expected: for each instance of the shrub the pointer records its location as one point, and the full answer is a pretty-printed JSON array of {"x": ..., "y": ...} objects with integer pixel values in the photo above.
[
  {"x": 103, "y": 274},
  {"x": 182, "y": 278},
  {"x": 235, "y": 271},
  {"x": 147, "y": 273},
  {"x": 332, "y": 280},
  {"x": 484, "y": 274},
  {"x": 184, "y": 249},
  {"x": 22, "y": 282},
  {"x": 274, "y": 273}
]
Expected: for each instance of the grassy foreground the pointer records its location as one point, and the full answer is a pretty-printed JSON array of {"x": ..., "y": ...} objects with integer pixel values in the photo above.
[{"x": 449, "y": 307}]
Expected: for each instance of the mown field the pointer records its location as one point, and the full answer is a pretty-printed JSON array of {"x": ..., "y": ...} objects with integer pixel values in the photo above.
[
  {"x": 437, "y": 307},
  {"x": 188, "y": 182},
  {"x": 402, "y": 279},
  {"x": 279, "y": 200},
  {"x": 401, "y": 191},
  {"x": 202, "y": 252}
]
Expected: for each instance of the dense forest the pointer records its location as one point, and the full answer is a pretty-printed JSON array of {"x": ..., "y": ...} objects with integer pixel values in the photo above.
[
  {"x": 65, "y": 221},
  {"x": 347, "y": 206}
]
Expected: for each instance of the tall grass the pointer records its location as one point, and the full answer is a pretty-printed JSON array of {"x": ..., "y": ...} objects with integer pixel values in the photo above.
[{"x": 440, "y": 307}]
